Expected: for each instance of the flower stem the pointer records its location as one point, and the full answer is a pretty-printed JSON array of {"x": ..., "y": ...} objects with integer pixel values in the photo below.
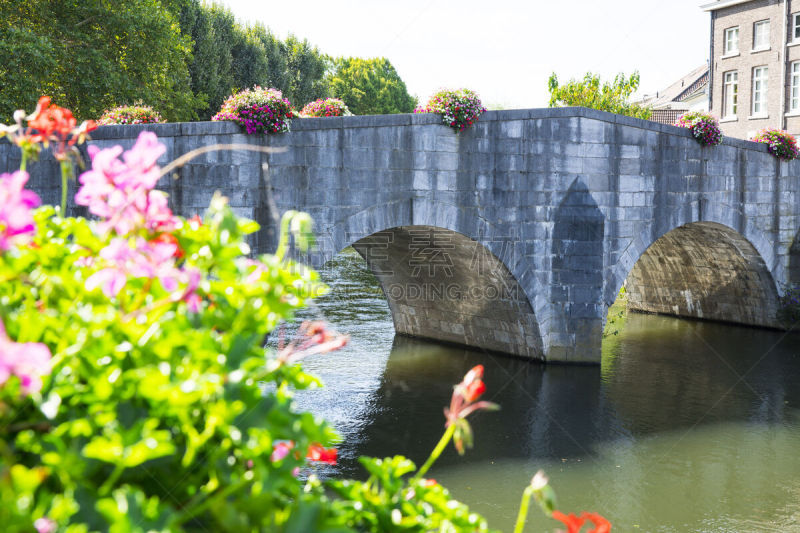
[
  {"x": 527, "y": 494},
  {"x": 66, "y": 170},
  {"x": 24, "y": 161},
  {"x": 448, "y": 434},
  {"x": 112, "y": 479}
]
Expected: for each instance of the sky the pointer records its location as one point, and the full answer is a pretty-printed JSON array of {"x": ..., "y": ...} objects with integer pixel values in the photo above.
[{"x": 504, "y": 50}]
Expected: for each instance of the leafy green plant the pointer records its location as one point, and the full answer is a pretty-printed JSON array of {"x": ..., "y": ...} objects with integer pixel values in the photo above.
[{"x": 592, "y": 93}]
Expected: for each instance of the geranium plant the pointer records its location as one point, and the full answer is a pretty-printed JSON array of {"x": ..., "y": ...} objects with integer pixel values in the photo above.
[
  {"x": 49, "y": 125},
  {"x": 130, "y": 114},
  {"x": 325, "y": 107},
  {"x": 258, "y": 110},
  {"x": 704, "y": 127},
  {"x": 459, "y": 108},
  {"x": 779, "y": 143}
]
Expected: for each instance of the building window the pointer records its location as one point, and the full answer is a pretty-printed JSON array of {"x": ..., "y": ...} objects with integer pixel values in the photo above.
[
  {"x": 795, "y": 35},
  {"x": 760, "y": 79},
  {"x": 761, "y": 35},
  {"x": 730, "y": 94},
  {"x": 732, "y": 41},
  {"x": 794, "y": 103}
]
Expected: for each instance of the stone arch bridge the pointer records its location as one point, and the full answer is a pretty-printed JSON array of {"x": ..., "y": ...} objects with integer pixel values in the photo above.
[{"x": 516, "y": 235}]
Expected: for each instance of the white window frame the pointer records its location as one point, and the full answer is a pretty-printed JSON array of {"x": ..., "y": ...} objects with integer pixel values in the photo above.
[
  {"x": 760, "y": 90},
  {"x": 730, "y": 94},
  {"x": 761, "y": 38},
  {"x": 794, "y": 87},
  {"x": 795, "y": 34},
  {"x": 730, "y": 46}
]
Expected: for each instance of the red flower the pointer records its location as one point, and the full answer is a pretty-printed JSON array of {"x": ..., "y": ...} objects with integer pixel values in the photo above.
[
  {"x": 602, "y": 525},
  {"x": 473, "y": 391},
  {"x": 324, "y": 455},
  {"x": 169, "y": 238},
  {"x": 462, "y": 404},
  {"x": 573, "y": 523}
]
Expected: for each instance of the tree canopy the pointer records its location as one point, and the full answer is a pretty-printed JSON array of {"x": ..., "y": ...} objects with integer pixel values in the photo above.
[
  {"x": 606, "y": 96},
  {"x": 92, "y": 55},
  {"x": 369, "y": 86},
  {"x": 182, "y": 57}
]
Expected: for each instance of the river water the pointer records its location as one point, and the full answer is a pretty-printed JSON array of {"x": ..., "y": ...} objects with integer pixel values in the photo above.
[{"x": 686, "y": 426}]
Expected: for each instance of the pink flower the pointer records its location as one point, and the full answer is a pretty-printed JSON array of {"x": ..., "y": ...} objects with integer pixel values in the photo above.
[
  {"x": 45, "y": 525},
  {"x": 16, "y": 217},
  {"x": 121, "y": 192},
  {"x": 136, "y": 258},
  {"x": 192, "y": 279},
  {"x": 29, "y": 361},
  {"x": 280, "y": 451}
]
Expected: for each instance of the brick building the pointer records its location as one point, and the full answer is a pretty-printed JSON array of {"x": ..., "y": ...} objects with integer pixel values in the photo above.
[
  {"x": 690, "y": 93},
  {"x": 755, "y": 65}
]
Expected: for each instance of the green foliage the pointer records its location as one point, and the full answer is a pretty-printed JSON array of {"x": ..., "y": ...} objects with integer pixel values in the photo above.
[
  {"x": 149, "y": 404},
  {"x": 369, "y": 86},
  {"x": 306, "y": 68},
  {"x": 90, "y": 55},
  {"x": 229, "y": 56},
  {"x": 605, "y": 96},
  {"x": 387, "y": 502}
]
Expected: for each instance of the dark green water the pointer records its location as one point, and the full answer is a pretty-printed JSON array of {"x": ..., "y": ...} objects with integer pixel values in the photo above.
[{"x": 685, "y": 427}]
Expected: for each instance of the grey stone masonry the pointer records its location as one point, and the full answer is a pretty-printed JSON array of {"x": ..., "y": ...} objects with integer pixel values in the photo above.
[{"x": 517, "y": 234}]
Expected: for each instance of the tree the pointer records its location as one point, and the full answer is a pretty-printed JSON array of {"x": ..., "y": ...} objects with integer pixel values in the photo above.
[
  {"x": 370, "y": 86},
  {"x": 92, "y": 55},
  {"x": 612, "y": 97},
  {"x": 306, "y": 68}
]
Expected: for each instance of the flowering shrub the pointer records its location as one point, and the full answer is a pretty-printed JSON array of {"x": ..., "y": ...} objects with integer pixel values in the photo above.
[
  {"x": 130, "y": 114},
  {"x": 258, "y": 110},
  {"x": 779, "y": 143},
  {"x": 459, "y": 108},
  {"x": 328, "y": 107},
  {"x": 136, "y": 392},
  {"x": 703, "y": 126}
]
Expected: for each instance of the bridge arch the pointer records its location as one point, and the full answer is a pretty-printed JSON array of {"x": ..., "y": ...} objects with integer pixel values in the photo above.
[
  {"x": 704, "y": 270},
  {"x": 443, "y": 285}
]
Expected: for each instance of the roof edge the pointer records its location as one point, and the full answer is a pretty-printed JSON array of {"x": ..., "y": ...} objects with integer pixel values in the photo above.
[{"x": 720, "y": 4}]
